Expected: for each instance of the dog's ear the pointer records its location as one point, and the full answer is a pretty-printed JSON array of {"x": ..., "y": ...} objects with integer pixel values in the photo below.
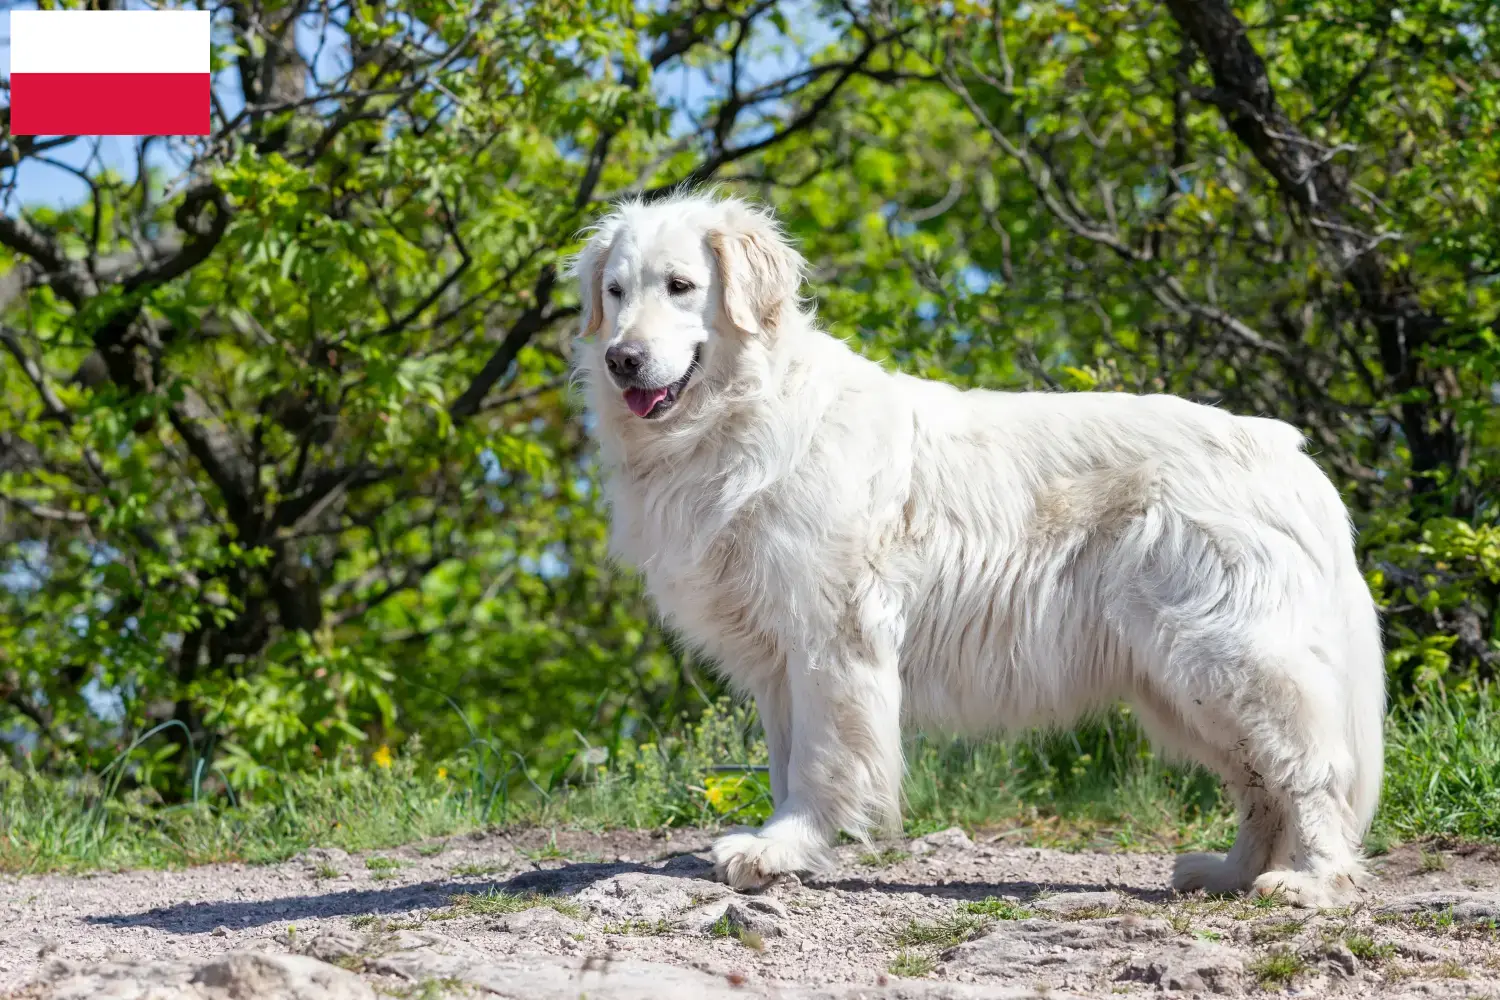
[
  {"x": 588, "y": 268},
  {"x": 759, "y": 271}
]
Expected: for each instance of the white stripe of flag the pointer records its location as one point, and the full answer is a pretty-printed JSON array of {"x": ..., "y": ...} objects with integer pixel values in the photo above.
[{"x": 109, "y": 72}]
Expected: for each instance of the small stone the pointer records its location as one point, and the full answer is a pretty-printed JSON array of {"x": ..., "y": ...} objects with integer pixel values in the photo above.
[
  {"x": 1467, "y": 907},
  {"x": 1068, "y": 904},
  {"x": 538, "y": 921},
  {"x": 1020, "y": 949},
  {"x": 1196, "y": 966},
  {"x": 1340, "y": 960},
  {"x": 335, "y": 945},
  {"x": 688, "y": 865},
  {"x": 951, "y": 839},
  {"x": 254, "y": 974},
  {"x": 765, "y": 904},
  {"x": 649, "y": 896},
  {"x": 1421, "y": 951},
  {"x": 744, "y": 918},
  {"x": 316, "y": 857}
]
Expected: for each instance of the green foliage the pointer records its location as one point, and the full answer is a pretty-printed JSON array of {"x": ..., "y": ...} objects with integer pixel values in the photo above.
[
  {"x": 293, "y": 496},
  {"x": 1277, "y": 969},
  {"x": 944, "y": 933},
  {"x": 884, "y": 859},
  {"x": 54, "y": 823},
  {"x": 492, "y": 902},
  {"x": 1443, "y": 767},
  {"x": 911, "y": 965},
  {"x": 999, "y": 909},
  {"x": 1443, "y": 760},
  {"x": 1099, "y": 785},
  {"x": 1366, "y": 949}
]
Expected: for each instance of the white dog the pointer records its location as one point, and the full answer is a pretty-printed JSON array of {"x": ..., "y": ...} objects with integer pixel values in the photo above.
[{"x": 856, "y": 548}]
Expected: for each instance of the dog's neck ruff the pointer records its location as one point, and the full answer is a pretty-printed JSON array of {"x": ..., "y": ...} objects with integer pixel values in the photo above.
[{"x": 729, "y": 440}]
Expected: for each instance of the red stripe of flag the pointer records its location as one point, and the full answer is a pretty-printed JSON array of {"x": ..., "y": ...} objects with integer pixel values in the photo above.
[{"x": 109, "y": 103}]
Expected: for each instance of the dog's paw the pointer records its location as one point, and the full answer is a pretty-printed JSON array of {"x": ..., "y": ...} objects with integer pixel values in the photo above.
[
  {"x": 1312, "y": 890},
  {"x": 751, "y": 861},
  {"x": 1209, "y": 872}
]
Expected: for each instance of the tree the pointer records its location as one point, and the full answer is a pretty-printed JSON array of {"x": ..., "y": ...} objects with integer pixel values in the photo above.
[
  {"x": 286, "y": 452},
  {"x": 1117, "y": 197}
]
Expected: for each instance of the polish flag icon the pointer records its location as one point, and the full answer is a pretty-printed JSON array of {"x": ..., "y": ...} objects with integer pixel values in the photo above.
[{"x": 109, "y": 72}]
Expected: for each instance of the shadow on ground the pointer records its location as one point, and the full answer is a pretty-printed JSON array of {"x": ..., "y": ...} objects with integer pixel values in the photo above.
[{"x": 567, "y": 879}]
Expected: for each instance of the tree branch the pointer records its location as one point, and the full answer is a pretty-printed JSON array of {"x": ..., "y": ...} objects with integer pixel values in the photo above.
[
  {"x": 1310, "y": 176},
  {"x": 529, "y": 324}
]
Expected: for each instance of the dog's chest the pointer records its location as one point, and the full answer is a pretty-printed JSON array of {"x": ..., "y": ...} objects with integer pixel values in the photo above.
[{"x": 717, "y": 580}]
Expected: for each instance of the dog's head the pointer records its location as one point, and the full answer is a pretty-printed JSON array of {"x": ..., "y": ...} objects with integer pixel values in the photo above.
[{"x": 671, "y": 292}]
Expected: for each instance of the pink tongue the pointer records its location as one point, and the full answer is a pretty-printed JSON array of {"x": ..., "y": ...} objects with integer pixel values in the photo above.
[{"x": 641, "y": 401}]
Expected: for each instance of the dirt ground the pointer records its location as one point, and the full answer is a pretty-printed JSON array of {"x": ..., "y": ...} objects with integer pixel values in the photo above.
[{"x": 636, "y": 914}]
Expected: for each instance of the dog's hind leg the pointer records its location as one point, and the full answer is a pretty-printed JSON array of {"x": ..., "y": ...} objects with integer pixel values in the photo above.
[
  {"x": 1262, "y": 819},
  {"x": 1261, "y": 843},
  {"x": 1276, "y": 738},
  {"x": 844, "y": 766}
]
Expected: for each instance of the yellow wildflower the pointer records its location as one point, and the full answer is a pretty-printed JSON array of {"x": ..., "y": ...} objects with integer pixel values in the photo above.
[
  {"x": 442, "y": 774},
  {"x": 382, "y": 756}
]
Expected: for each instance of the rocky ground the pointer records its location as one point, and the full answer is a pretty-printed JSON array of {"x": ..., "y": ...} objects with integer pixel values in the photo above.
[{"x": 636, "y": 915}]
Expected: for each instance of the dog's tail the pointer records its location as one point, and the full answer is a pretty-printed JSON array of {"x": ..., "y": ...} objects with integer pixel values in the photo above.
[
  {"x": 1363, "y": 666},
  {"x": 1365, "y": 670}
]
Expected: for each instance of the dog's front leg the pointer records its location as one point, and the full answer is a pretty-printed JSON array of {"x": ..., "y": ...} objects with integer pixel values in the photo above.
[
  {"x": 774, "y": 706},
  {"x": 843, "y": 766}
]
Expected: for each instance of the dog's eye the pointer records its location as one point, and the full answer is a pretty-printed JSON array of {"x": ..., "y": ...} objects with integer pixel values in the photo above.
[
  {"x": 615, "y": 291},
  {"x": 678, "y": 286}
]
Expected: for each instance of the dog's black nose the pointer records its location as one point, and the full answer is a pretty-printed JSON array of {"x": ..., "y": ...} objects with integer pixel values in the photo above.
[{"x": 626, "y": 357}]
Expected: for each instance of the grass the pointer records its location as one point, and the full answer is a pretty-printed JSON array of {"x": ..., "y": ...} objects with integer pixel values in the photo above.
[
  {"x": 432, "y": 989},
  {"x": 1367, "y": 949},
  {"x": 74, "y": 824},
  {"x": 548, "y": 851},
  {"x": 494, "y": 901},
  {"x": 1452, "y": 969},
  {"x": 1099, "y": 787},
  {"x": 1278, "y": 931},
  {"x": 724, "y": 927},
  {"x": 639, "y": 928},
  {"x": 883, "y": 859},
  {"x": 911, "y": 965},
  {"x": 999, "y": 909},
  {"x": 944, "y": 933},
  {"x": 1268, "y": 900},
  {"x": 1277, "y": 969},
  {"x": 919, "y": 940}
]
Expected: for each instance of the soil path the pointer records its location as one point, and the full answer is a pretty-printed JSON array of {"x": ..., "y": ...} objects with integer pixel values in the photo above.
[{"x": 630, "y": 914}]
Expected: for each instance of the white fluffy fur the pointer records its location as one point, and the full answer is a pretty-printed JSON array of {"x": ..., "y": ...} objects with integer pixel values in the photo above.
[{"x": 857, "y": 548}]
